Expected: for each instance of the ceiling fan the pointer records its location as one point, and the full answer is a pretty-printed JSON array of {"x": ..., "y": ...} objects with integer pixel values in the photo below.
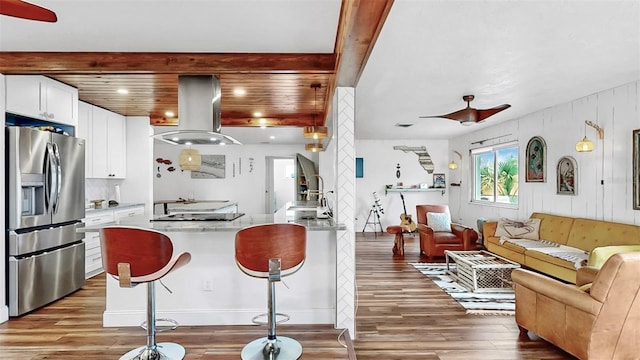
[
  {"x": 24, "y": 10},
  {"x": 470, "y": 115}
]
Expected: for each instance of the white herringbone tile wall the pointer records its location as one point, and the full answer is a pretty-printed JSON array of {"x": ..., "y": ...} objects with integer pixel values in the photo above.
[{"x": 344, "y": 112}]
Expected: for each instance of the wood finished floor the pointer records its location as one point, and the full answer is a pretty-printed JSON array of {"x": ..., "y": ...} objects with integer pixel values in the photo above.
[{"x": 400, "y": 315}]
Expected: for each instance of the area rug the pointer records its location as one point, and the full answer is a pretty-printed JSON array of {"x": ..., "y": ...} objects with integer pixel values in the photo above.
[{"x": 502, "y": 303}]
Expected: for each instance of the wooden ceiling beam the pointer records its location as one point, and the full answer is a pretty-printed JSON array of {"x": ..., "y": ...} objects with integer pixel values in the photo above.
[
  {"x": 227, "y": 121},
  {"x": 358, "y": 29},
  {"x": 17, "y": 62}
]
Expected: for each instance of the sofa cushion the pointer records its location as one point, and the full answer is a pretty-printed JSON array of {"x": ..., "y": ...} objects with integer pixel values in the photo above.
[
  {"x": 439, "y": 221},
  {"x": 565, "y": 257},
  {"x": 507, "y": 245},
  {"x": 588, "y": 234},
  {"x": 599, "y": 255},
  {"x": 444, "y": 237},
  {"x": 554, "y": 227},
  {"x": 518, "y": 229}
]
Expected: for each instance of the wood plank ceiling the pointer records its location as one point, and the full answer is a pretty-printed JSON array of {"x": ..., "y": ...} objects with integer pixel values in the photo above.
[{"x": 276, "y": 85}]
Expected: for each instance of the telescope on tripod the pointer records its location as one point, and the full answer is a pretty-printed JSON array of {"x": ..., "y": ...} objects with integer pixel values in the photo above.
[{"x": 376, "y": 210}]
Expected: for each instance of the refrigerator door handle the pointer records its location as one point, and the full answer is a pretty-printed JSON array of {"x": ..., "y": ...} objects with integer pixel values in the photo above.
[
  {"x": 49, "y": 177},
  {"x": 58, "y": 177}
]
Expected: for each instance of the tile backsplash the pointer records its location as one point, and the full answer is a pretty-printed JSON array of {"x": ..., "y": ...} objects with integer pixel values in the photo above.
[{"x": 96, "y": 189}]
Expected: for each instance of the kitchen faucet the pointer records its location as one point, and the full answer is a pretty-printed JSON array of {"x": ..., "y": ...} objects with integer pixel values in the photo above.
[{"x": 319, "y": 193}]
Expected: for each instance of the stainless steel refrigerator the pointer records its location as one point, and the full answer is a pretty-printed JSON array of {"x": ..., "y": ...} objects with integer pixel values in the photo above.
[{"x": 45, "y": 205}]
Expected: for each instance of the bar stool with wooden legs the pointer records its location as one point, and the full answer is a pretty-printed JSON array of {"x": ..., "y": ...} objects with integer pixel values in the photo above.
[
  {"x": 271, "y": 251},
  {"x": 135, "y": 256}
]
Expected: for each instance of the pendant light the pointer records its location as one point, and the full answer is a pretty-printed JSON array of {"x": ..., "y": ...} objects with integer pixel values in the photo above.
[
  {"x": 314, "y": 147},
  {"x": 315, "y": 132},
  {"x": 190, "y": 159}
]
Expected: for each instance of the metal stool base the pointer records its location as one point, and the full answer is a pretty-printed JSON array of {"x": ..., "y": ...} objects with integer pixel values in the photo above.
[
  {"x": 290, "y": 349},
  {"x": 165, "y": 351}
]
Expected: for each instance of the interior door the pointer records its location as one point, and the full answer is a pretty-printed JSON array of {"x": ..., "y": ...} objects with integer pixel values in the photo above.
[{"x": 280, "y": 182}]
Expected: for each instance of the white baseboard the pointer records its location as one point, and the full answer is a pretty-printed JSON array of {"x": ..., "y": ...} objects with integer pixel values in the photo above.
[
  {"x": 214, "y": 317},
  {"x": 4, "y": 314}
]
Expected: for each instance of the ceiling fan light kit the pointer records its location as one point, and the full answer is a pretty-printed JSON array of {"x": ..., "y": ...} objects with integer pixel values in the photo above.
[{"x": 469, "y": 115}]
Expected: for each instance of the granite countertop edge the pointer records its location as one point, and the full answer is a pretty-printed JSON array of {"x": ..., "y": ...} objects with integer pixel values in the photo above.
[
  {"x": 143, "y": 221},
  {"x": 111, "y": 208}
]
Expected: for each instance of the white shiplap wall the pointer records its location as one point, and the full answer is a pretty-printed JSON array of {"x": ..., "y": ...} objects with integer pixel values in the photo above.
[{"x": 616, "y": 111}]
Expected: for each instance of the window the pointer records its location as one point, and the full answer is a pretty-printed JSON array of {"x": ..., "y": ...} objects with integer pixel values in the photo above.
[{"x": 495, "y": 171}]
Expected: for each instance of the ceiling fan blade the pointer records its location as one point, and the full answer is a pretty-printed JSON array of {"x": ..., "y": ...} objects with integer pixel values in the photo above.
[
  {"x": 25, "y": 10},
  {"x": 464, "y": 115},
  {"x": 485, "y": 113}
]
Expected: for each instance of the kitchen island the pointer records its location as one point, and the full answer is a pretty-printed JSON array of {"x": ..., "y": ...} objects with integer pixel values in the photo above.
[{"x": 211, "y": 290}]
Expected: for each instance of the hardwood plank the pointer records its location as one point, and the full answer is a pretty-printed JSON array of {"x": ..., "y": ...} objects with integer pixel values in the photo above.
[{"x": 400, "y": 315}]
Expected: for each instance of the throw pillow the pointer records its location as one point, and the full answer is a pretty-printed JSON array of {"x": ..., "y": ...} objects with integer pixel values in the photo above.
[
  {"x": 514, "y": 229},
  {"x": 439, "y": 221}
]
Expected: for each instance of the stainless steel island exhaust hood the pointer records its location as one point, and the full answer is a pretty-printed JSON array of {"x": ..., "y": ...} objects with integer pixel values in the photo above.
[{"x": 199, "y": 113}]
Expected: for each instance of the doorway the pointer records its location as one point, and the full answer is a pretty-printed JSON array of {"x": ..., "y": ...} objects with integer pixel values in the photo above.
[{"x": 280, "y": 189}]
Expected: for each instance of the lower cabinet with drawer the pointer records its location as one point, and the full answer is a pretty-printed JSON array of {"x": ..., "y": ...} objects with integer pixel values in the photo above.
[{"x": 93, "y": 252}]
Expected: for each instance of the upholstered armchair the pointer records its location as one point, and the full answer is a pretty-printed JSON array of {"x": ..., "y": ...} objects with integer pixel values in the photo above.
[
  {"x": 435, "y": 240},
  {"x": 597, "y": 320}
]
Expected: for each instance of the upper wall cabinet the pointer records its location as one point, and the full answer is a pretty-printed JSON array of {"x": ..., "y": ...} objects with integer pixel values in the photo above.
[
  {"x": 105, "y": 136},
  {"x": 40, "y": 97}
]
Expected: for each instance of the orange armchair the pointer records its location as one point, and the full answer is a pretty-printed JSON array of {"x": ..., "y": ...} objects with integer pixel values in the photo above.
[{"x": 434, "y": 243}]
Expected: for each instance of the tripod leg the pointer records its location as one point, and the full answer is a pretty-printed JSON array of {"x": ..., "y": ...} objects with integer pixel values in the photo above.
[
  {"x": 379, "y": 222},
  {"x": 367, "y": 222}
]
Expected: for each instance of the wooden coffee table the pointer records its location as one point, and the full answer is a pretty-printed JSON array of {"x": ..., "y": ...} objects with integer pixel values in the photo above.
[{"x": 481, "y": 271}]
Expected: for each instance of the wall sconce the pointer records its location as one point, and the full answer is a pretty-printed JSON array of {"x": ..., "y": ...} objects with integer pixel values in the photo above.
[
  {"x": 586, "y": 145},
  {"x": 190, "y": 159},
  {"x": 453, "y": 165}
]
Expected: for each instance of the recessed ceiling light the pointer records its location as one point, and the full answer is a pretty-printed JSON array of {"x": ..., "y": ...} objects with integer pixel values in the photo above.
[
  {"x": 221, "y": 144},
  {"x": 123, "y": 91},
  {"x": 187, "y": 143},
  {"x": 257, "y": 114},
  {"x": 239, "y": 92},
  {"x": 169, "y": 114},
  {"x": 272, "y": 137},
  {"x": 263, "y": 127}
]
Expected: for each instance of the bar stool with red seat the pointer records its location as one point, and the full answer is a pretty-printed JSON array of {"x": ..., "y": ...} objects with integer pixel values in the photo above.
[
  {"x": 135, "y": 256},
  {"x": 271, "y": 251}
]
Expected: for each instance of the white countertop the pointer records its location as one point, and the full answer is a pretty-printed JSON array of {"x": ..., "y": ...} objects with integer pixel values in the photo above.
[
  {"x": 90, "y": 211},
  {"x": 144, "y": 221}
]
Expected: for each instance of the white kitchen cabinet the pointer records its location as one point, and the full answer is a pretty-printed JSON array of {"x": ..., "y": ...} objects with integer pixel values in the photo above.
[
  {"x": 41, "y": 97},
  {"x": 93, "y": 251},
  {"x": 106, "y": 141},
  {"x": 127, "y": 212}
]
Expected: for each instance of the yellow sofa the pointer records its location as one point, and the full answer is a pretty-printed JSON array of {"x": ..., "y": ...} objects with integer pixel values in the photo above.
[{"x": 577, "y": 233}]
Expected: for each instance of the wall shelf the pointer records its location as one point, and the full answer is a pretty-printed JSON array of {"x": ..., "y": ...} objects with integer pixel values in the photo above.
[{"x": 408, "y": 190}]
